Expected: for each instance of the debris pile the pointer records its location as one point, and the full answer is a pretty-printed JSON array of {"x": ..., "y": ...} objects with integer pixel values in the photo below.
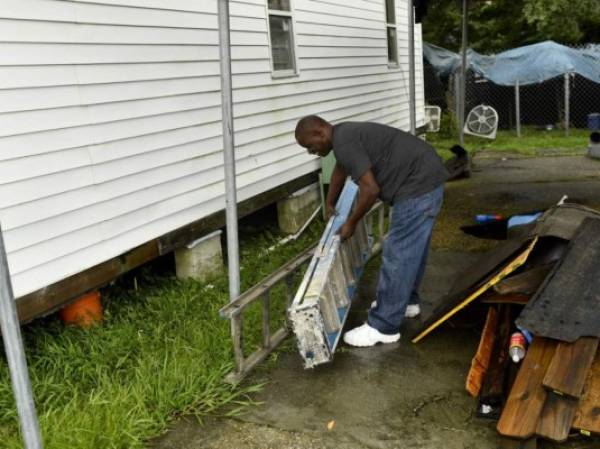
[{"x": 537, "y": 366}]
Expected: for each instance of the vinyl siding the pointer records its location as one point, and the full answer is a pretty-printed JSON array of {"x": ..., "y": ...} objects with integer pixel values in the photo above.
[{"x": 110, "y": 118}]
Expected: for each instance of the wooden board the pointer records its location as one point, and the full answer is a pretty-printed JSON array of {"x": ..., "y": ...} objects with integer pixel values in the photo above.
[
  {"x": 587, "y": 416},
  {"x": 557, "y": 417},
  {"x": 511, "y": 298},
  {"x": 481, "y": 360},
  {"x": 569, "y": 367},
  {"x": 527, "y": 396},
  {"x": 494, "y": 386},
  {"x": 526, "y": 282}
]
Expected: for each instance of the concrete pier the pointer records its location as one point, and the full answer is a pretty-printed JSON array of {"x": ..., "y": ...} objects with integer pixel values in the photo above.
[
  {"x": 201, "y": 259},
  {"x": 295, "y": 210}
]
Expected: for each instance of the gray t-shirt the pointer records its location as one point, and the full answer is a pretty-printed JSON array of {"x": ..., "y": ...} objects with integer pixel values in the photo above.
[{"x": 404, "y": 166}]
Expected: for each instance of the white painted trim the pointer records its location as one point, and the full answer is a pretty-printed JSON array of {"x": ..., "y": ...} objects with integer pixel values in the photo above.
[
  {"x": 212, "y": 235},
  {"x": 304, "y": 190},
  {"x": 278, "y": 74}
]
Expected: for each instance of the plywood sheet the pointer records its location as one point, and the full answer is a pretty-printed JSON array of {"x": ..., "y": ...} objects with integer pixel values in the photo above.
[{"x": 527, "y": 397}]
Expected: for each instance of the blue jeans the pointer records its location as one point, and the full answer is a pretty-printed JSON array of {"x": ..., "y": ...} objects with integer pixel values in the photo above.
[{"x": 404, "y": 259}]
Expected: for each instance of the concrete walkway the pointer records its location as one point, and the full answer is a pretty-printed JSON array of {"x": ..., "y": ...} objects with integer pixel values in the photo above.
[{"x": 402, "y": 395}]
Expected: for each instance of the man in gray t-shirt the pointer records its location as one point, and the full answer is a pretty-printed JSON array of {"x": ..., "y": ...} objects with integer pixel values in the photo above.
[{"x": 404, "y": 172}]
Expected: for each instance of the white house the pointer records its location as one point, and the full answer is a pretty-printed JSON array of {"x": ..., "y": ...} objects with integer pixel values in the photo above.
[{"x": 110, "y": 131}]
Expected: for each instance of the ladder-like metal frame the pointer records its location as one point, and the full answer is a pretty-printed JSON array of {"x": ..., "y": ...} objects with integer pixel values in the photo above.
[
  {"x": 270, "y": 340},
  {"x": 321, "y": 305},
  {"x": 261, "y": 292}
]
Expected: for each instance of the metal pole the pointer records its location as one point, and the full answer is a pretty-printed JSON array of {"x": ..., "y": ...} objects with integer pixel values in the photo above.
[
  {"x": 15, "y": 355},
  {"x": 463, "y": 78},
  {"x": 567, "y": 103},
  {"x": 518, "y": 108},
  {"x": 457, "y": 98},
  {"x": 233, "y": 250},
  {"x": 411, "y": 68}
]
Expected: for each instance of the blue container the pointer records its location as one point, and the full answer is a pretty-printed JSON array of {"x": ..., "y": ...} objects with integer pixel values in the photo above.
[{"x": 594, "y": 121}]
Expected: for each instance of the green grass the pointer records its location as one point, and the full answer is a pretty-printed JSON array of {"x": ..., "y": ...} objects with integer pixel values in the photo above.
[
  {"x": 533, "y": 142},
  {"x": 161, "y": 352}
]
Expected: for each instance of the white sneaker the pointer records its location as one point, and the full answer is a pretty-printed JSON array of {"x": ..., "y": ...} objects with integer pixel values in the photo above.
[
  {"x": 366, "y": 335},
  {"x": 412, "y": 310}
]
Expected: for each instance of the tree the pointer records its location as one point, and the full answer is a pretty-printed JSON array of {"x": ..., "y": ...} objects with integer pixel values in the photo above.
[
  {"x": 572, "y": 22},
  {"x": 497, "y": 25}
]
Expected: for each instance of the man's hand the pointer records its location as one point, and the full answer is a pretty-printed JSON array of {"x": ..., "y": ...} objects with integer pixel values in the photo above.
[
  {"x": 347, "y": 230},
  {"x": 330, "y": 211}
]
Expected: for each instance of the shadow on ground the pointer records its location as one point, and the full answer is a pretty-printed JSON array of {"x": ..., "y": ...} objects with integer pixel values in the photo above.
[{"x": 402, "y": 395}]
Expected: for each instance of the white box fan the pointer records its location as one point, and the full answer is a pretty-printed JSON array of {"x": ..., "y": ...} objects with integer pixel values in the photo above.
[{"x": 482, "y": 121}]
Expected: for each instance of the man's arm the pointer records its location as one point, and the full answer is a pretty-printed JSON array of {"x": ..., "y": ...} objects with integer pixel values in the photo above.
[
  {"x": 367, "y": 195},
  {"x": 338, "y": 177}
]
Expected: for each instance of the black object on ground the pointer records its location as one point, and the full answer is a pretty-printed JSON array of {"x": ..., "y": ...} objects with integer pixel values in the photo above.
[{"x": 458, "y": 165}]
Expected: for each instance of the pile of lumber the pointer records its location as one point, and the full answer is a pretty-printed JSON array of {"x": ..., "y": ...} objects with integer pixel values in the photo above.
[
  {"x": 544, "y": 283},
  {"x": 556, "y": 392}
]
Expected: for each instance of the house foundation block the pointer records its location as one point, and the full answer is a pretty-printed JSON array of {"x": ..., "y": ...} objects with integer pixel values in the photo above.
[
  {"x": 296, "y": 209},
  {"x": 201, "y": 259}
]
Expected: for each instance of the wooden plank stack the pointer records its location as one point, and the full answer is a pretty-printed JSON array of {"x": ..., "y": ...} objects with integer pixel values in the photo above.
[{"x": 555, "y": 393}]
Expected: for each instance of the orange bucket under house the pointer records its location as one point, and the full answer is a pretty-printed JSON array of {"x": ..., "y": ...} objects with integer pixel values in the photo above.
[{"x": 84, "y": 311}]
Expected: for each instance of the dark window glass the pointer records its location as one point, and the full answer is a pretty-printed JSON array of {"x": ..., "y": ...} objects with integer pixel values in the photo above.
[
  {"x": 280, "y": 5},
  {"x": 390, "y": 11},
  {"x": 281, "y": 42},
  {"x": 392, "y": 42}
]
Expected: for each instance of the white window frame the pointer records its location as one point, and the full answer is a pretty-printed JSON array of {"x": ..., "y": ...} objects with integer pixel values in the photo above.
[
  {"x": 391, "y": 64},
  {"x": 276, "y": 12}
]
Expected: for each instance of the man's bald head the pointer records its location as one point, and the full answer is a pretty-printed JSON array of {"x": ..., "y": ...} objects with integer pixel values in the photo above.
[{"x": 314, "y": 134}]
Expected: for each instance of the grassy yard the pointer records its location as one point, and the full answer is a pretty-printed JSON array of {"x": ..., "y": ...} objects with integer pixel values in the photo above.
[
  {"x": 533, "y": 142},
  {"x": 161, "y": 352}
]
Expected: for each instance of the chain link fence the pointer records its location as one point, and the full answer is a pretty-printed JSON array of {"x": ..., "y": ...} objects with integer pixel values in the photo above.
[{"x": 564, "y": 102}]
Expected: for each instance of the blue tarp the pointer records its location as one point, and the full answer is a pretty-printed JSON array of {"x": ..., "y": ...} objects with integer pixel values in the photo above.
[
  {"x": 528, "y": 65},
  {"x": 445, "y": 62}
]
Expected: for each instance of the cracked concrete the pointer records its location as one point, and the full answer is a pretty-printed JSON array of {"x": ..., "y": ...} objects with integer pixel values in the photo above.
[{"x": 400, "y": 395}]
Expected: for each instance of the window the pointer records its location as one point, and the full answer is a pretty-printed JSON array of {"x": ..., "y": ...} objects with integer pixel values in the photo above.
[
  {"x": 392, "y": 34},
  {"x": 282, "y": 37}
]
